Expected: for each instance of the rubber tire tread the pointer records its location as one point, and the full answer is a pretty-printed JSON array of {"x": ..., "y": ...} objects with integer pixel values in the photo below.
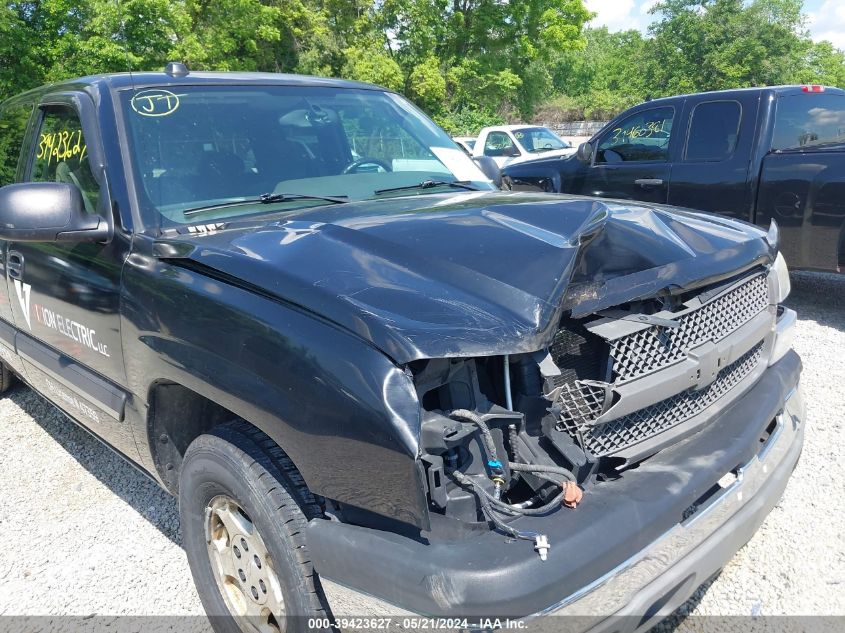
[
  {"x": 7, "y": 378},
  {"x": 265, "y": 462}
]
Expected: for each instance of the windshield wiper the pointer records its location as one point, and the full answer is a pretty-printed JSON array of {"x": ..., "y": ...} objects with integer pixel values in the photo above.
[
  {"x": 430, "y": 184},
  {"x": 267, "y": 198}
]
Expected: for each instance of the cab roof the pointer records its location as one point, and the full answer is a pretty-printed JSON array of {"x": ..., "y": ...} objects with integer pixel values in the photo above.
[
  {"x": 775, "y": 90},
  {"x": 515, "y": 126},
  {"x": 122, "y": 81}
]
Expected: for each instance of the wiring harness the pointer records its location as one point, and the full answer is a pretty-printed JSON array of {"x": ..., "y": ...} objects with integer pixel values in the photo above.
[{"x": 492, "y": 505}]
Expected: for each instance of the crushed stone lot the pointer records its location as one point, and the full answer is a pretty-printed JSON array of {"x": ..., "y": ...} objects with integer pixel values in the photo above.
[{"x": 87, "y": 534}]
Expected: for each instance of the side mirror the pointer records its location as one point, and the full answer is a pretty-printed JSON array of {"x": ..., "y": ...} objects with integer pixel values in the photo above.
[
  {"x": 585, "y": 152},
  {"x": 48, "y": 212},
  {"x": 490, "y": 169}
]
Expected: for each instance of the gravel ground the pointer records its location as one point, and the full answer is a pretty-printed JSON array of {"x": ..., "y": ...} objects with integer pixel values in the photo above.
[{"x": 87, "y": 534}]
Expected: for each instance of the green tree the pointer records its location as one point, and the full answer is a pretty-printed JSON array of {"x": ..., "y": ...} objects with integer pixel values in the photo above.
[
  {"x": 228, "y": 35},
  {"x": 607, "y": 74},
  {"x": 18, "y": 70},
  {"x": 715, "y": 44},
  {"x": 692, "y": 46},
  {"x": 427, "y": 86},
  {"x": 501, "y": 48},
  {"x": 374, "y": 66},
  {"x": 825, "y": 64}
]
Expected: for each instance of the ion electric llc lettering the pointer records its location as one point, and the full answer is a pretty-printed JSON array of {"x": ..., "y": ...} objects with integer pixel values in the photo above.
[{"x": 71, "y": 329}]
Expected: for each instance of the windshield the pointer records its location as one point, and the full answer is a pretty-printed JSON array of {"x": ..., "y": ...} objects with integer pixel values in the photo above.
[
  {"x": 539, "y": 139},
  {"x": 199, "y": 147}
]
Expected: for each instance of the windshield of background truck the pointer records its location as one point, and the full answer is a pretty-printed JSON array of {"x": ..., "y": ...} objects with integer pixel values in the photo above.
[
  {"x": 539, "y": 139},
  {"x": 807, "y": 120},
  {"x": 195, "y": 146}
]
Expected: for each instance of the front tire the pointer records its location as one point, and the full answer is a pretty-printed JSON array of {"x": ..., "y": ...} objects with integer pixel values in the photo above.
[
  {"x": 244, "y": 508},
  {"x": 6, "y": 378}
]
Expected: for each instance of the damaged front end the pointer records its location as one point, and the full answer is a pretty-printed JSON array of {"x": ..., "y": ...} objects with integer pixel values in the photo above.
[
  {"x": 527, "y": 434},
  {"x": 606, "y": 388}
]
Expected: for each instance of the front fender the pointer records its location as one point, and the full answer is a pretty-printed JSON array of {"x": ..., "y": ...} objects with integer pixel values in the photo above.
[
  {"x": 533, "y": 176},
  {"x": 345, "y": 414}
]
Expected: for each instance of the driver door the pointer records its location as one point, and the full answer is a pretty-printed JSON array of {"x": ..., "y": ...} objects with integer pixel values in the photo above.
[
  {"x": 65, "y": 296},
  {"x": 501, "y": 148},
  {"x": 631, "y": 160}
]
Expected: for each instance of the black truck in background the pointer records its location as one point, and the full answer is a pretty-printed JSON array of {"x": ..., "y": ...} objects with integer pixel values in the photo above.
[{"x": 757, "y": 154}]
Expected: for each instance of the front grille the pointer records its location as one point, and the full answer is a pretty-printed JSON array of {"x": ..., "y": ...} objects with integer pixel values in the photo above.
[
  {"x": 580, "y": 402},
  {"x": 612, "y": 436},
  {"x": 576, "y": 355},
  {"x": 657, "y": 347}
]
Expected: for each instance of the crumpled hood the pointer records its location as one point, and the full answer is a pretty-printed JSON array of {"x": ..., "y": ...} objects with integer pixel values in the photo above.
[{"x": 477, "y": 273}]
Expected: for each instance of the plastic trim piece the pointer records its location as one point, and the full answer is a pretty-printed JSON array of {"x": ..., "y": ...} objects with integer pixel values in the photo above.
[
  {"x": 784, "y": 335},
  {"x": 106, "y": 396}
]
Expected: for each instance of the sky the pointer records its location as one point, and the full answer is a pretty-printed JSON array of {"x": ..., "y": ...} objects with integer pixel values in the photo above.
[{"x": 825, "y": 18}]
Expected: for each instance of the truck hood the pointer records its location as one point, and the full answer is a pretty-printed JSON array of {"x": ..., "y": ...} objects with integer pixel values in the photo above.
[{"x": 470, "y": 274}]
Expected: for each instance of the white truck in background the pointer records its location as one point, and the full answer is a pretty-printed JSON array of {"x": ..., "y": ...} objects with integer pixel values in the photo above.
[{"x": 510, "y": 144}]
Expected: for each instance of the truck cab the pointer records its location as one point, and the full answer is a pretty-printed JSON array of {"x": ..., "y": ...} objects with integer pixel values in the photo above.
[
  {"x": 513, "y": 144},
  {"x": 755, "y": 154}
]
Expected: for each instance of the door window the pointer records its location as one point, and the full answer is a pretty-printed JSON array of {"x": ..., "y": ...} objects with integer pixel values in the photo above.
[
  {"x": 713, "y": 132},
  {"x": 499, "y": 144},
  {"x": 641, "y": 137},
  {"x": 807, "y": 120},
  {"x": 370, "y": 135},
  {"x": 61, "y": 155},
  {"x": 13, "y": 120}
]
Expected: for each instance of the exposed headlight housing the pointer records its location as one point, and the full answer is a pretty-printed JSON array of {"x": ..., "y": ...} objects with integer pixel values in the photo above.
[
  {"x": 782, "y": 275},
  {"x": 784, "y": 334}
]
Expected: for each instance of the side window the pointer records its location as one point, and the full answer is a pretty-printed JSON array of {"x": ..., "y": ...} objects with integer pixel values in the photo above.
[
  {"x": 499, "y": 144},
  {"x": 713, "y": 131},
  {"x": 13, "y": 120},
  {"x": 372, "y": 133},
  {"x": 641, "y": 137},
  {"x": 805, "y": 120},
  {"x": 61, "y": 154}
]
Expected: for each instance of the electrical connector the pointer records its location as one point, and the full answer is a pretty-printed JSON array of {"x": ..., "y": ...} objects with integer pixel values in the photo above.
[{"x": 542, "y": 546}]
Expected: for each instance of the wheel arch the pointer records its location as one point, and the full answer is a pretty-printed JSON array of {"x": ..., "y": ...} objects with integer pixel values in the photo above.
[
  {"x": 178, "y": 415},
  {"x": 340, "y": 408}
]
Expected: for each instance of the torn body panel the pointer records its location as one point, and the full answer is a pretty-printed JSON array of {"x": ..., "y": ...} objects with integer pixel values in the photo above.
[{"x": 607, "y": 394}]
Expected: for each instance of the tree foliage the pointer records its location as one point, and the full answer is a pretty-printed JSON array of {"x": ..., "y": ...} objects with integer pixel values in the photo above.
[
  {"x": 692, "y": 46},
  {"x": 466, "y": 62}
]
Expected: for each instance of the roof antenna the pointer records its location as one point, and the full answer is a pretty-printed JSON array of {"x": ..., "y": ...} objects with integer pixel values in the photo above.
[{"x": 176, "y": 69}]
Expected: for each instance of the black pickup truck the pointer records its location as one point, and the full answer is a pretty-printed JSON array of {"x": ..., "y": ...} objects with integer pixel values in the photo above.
[
  {"x": 757, "y": 154},
  {"x": 296, "y": 304}
]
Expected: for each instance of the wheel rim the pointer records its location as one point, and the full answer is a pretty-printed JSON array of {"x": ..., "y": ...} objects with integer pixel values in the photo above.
[{"x": 243, "y": 568}]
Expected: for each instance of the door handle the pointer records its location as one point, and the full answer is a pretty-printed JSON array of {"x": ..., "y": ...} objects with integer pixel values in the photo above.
[
  {"x": 648, "y": 182},
  {"x": 14, "y": 264}
]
